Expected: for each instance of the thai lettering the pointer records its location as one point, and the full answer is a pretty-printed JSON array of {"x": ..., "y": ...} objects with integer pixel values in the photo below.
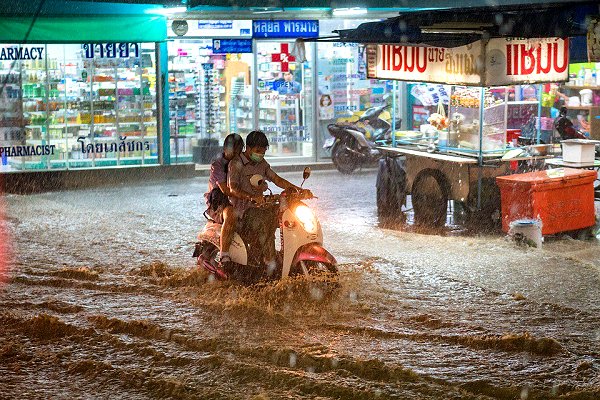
[
  {"x": 540, "y": 58},
  {"x": 124, "y": 50},
  {"x": 110, "y": 50},
  {"x": 88, "y": 48},
  {"x": 123, "y": 146},
  {"x": 289, "y": 128},
  {"x": 286, "y": 28},
  {"x": 404, "y": 58},
  {"x": 461, "y": 64},
  {"x": 435, "y": 54},
  {"x": 300, "y": 26}
]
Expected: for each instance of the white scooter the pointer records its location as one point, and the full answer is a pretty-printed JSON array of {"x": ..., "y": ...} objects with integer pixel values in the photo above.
[{"x": 302, "y": 251}]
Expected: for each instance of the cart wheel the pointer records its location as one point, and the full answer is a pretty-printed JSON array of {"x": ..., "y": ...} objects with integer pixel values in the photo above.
[
  {"x": 430, "y": 191},
  {"x": 487, "y": 217},
  {"x": 391, "y": 191},
  {"x": 344, "y": 159}
]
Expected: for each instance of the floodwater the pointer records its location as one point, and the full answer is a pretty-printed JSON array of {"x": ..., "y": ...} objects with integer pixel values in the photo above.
[{"x": 101, "y": 300}]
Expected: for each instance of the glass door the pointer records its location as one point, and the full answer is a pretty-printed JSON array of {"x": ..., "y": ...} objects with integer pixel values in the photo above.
[
  {"x": 285, "y": 99},
  {"x": 210, "y": 96}
]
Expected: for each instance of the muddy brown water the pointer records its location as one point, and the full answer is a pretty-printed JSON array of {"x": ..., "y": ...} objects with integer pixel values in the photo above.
[{"x": 102, "y": 300}]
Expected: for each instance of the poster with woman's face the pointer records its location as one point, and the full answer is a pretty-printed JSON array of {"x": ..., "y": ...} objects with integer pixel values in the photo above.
[{"x": 326, "y": 107}]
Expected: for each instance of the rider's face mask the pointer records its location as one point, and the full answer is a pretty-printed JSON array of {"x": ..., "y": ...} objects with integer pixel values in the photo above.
[
  {"x": 256, "y": 157},
  {"x": 257, "y": 153}
]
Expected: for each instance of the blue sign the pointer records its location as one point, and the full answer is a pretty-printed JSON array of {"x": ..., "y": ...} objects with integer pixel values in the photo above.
[
  {"x": 224, "y": 46},
  {"x": 285, "y": 29},
  {"x": 215, "y": 24}
]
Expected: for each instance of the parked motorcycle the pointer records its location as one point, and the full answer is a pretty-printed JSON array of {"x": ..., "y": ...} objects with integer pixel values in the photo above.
[
  {"x": 353, "y": 145},
  {"x": 302, "y": 251}
]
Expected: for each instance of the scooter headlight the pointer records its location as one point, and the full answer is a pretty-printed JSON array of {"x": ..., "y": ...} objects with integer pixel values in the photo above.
[{"x": 307, "y": 218}]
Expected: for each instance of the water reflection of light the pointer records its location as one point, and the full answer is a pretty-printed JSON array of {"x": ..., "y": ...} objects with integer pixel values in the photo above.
[
  {"x": 4, "y": 244},
  {"x": 354, "y": 221}
]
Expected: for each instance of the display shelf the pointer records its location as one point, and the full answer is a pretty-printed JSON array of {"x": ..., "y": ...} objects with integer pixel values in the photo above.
[
  {"x": 522, "y": 102},
  {"x": 67, "y": 98},
  {"x": 581, "y": 87},
  {"x": 579, "y": 107}
]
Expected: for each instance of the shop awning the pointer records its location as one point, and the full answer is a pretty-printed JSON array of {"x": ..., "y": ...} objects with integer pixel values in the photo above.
[
  {"x": 79, "y": 29},
  {"x": 457, "y": 27}
]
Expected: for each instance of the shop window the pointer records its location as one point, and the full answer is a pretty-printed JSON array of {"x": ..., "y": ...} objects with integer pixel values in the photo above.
[
  {"x": 344, "y": 91},
  {"x": 285, "y": 110},
  {"x": 80, "y": 106},
  {"x": 12, "y": 123},
  {"x": 424, "y": 100},
  {"x": 210, "y": 96}
]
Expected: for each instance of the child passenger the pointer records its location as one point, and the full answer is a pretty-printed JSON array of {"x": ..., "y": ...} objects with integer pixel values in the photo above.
[{"x": 219, "y": 208}]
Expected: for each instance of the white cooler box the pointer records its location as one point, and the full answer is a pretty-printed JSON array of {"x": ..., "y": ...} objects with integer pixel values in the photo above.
[{"x": 579, "y": 150}]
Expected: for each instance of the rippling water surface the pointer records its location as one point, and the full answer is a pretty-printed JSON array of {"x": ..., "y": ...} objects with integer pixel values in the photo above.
[{"x": 102, "y": 300}]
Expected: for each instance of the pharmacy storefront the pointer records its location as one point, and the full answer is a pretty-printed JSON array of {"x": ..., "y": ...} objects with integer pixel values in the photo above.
[
  {"x": 241, "y": 75},
  {"x": 80, "y": 93}
]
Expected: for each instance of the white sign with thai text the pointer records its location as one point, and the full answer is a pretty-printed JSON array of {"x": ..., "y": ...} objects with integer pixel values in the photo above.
[
  {"x": 455, "y": 66},
  {"x": 504, "y": 61},
  {"x": 513, "y": 61}
]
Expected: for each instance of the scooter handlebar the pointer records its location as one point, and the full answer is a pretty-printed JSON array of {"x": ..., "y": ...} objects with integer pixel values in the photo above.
[{"x": 273, "y": 199}]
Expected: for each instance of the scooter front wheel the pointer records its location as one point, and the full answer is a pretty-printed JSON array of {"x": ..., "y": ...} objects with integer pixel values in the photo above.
[
  {"x": 343, "y": 155},
  {"x": 309, "y": 267}
]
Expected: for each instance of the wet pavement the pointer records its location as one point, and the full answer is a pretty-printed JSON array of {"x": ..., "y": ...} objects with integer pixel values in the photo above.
[{"x": 102, "y": 300}]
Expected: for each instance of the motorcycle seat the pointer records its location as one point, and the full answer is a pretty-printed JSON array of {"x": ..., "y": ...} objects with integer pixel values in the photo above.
[{"x": 211, "y": 231}]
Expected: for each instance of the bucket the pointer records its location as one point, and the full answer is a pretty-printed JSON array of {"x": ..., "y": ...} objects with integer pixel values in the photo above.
[
  {"x": 586, "y": 97},
  {"x": 546, "y": 123},
  {"x": 528, "y": 229}
]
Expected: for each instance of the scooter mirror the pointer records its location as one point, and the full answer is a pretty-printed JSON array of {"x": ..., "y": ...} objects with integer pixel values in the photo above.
[{"x": 306, "y": 173}]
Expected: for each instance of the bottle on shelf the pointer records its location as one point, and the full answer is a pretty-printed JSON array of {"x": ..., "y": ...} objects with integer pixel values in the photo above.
[
  {"x": 581, "y": 76},
  {"x": 587, "y": 79}
]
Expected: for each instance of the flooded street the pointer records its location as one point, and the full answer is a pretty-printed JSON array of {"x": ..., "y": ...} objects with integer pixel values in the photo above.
[{"x": 102, "y": 300}]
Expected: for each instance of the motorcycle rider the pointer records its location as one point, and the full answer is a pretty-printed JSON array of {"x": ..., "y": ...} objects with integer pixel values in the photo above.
[
  {"x": 219, "y": 208},
  {"x": 246, "y": 198}
]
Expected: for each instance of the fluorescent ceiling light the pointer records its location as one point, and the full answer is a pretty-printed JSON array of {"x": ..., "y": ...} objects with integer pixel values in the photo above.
[
  {"x": 265, "y": 10},
  {"x": 168, "y": 10},
  {"x": 338, "y": 12}
]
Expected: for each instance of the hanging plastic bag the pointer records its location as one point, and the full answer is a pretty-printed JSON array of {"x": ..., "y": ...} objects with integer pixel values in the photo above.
[{"x": 299, "y": 50}]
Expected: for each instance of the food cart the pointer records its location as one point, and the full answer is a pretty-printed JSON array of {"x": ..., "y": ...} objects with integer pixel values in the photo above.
[
  {"x": 461, "y": 154},
  {"x": 477, "y": 51}
]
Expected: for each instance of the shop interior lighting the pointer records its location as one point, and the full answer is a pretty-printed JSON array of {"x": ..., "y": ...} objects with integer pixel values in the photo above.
[{"x": 344, "y": 12}]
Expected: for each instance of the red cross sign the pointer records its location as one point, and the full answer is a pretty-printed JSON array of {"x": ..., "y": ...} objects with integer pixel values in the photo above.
[{"x": 284, "y": 57}]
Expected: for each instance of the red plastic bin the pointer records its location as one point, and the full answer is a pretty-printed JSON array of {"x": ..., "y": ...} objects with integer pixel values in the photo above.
[
  {"x": 564, "y": 203},
  {"x": 512, "y": 134}
]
